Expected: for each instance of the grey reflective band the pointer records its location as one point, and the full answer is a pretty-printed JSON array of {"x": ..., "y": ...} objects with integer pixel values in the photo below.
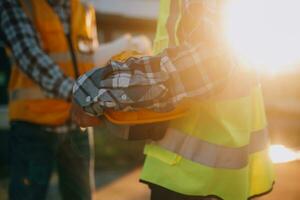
[
  {"x": 60, "y": 57},
  {"x": 85, "y": 57},
  {"x": 66, "y": 57},
  {"x": 213, "y": 155},
  {"x": 26, "y": 94}
]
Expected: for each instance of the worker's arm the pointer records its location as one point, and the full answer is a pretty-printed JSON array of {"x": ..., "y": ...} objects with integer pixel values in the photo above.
[
  {"x": 22, "y": 39},
  {"x": 196, "y": 68}
]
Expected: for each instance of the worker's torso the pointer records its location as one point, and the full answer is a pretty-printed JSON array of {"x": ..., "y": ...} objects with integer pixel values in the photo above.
[
  {"x": 72, "y": 53},
  {"x": 223, "y": 137}
]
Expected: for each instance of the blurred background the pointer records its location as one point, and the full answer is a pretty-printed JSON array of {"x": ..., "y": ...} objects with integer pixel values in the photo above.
[{"x": 117, "y": 160}]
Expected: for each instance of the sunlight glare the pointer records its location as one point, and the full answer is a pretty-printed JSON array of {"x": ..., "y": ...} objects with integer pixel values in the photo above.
[
  {"x": 281, "y": 154},
  {"x": 265, "y": 33}
]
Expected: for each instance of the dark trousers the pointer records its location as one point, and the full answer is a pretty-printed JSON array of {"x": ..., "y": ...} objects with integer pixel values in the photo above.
[
  {"x": 35, "y": 152},
  {"x": 160, "y": 193}
]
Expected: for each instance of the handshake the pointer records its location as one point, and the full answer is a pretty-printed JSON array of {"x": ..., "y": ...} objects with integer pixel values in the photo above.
[
  {"x": 82, "y": 118},
  {"x": 128, "y": 97},
  {"x": 101, "y": 56}
]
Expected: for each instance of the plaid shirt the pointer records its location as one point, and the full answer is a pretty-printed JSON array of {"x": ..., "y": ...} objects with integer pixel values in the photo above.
[
  {"x": 22, "y": 39},
  {"x": 197, "y": 68}
]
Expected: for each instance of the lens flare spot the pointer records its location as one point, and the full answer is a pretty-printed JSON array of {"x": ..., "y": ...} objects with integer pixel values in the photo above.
[
  {"x": 264, "y": 33},
  {"x": 281, "y": 154}
]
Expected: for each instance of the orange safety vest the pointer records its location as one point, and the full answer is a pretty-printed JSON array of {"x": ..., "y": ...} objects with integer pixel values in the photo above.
[{"x": 27, "y": 100}]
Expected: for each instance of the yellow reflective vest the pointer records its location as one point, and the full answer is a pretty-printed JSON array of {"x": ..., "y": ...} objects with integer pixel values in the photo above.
[
  {"x": 27, "y": 100},
  {"x": 220, "y": 147}
]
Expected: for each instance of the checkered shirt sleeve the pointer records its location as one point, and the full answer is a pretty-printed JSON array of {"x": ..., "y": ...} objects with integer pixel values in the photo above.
[
  {"x": 197, "y": 68},
  {"x": 22, "y": 39}
]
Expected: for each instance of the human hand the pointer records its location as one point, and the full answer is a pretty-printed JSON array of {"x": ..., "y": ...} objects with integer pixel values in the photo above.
[
  {"x": 141, "y": 44},
  {"x": 82, "y": 118}
]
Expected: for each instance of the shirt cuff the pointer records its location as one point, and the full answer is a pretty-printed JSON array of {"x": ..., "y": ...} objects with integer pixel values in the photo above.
[
  {"x": 65, "y": 89},
  {"x": 167, "y": 64}
]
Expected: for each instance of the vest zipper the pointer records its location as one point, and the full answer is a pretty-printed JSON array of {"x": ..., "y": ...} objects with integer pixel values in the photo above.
[{"x": 73, "y": 56}]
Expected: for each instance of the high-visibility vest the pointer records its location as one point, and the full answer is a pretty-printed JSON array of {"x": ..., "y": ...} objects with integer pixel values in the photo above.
[
  {"x": 221, "y": 147},
  {"x": 27, "y": 100}
]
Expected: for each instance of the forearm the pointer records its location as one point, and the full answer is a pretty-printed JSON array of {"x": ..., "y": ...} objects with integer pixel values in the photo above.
[{"x": 22, "y": 40}]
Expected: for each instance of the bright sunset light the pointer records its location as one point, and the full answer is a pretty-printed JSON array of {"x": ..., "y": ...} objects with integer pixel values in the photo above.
[
  {"x": 281, "y": 154},
  {"x": 265, "y": 33}
]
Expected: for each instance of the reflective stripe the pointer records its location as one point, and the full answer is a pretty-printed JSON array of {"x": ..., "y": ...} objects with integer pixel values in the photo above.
[
  {"x": 60, "y": 57},
  {"x": 26, "y": 94},
  {"x": 66, "y": 57},
  {"x": 86, "y": 58},
  {"x": 213, "y": 155}
]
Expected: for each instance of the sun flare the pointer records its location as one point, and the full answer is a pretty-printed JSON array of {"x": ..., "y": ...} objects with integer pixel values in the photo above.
[
  {"x": 281, "y": 154},
  {"x": 265, "y": 33}
]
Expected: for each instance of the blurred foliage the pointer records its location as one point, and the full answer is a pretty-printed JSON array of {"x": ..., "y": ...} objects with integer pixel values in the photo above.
[{"x": 113, "y": 153}]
